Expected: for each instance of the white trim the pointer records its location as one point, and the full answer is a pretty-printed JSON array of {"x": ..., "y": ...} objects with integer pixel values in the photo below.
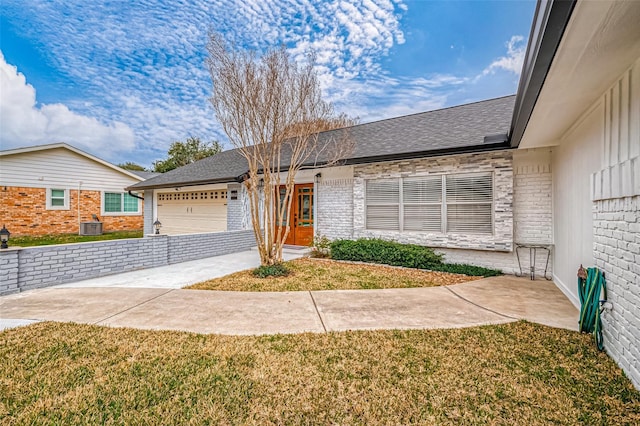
[
  {"x": 565, "y": 290},
  {"x": 49, "y": 206}
]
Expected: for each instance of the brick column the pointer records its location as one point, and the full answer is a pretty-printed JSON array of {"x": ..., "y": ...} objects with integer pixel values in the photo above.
[{"x": 9, "y": 271}]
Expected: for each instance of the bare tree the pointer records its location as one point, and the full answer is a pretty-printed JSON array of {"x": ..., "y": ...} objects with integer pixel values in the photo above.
[{"x": 272, "y": 110}]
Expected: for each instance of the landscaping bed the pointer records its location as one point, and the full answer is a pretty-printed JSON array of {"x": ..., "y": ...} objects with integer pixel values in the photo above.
[
  {"x": 323, "y": 274},
  {"x": 518, "y": 373}
]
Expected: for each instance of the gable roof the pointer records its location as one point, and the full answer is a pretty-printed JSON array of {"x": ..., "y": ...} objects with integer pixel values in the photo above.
[
  {"x": 63, "y": 145},
  {"x": 478, "y": 126}
]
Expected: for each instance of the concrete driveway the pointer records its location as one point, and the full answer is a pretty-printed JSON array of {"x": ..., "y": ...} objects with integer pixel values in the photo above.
[{"x": 487, "y": 301}]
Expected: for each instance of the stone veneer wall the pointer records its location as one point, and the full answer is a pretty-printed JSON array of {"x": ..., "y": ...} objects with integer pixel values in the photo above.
[
  {"x": 34, "y": 267},
  {"x": 532, "y": 211},
  {"x": 24, "y": 212},
  {"x": 498, "y": 162},
  {"x": 617, "y": 252}
]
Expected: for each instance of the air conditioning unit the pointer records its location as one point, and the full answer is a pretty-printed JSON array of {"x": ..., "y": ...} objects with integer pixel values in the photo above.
[{"x": 90, "y": 228}]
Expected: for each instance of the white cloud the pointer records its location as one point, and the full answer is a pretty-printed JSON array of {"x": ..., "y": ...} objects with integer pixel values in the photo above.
[
  {"x": 513, "y": 60},
  {"x": 24, "y": 122}
]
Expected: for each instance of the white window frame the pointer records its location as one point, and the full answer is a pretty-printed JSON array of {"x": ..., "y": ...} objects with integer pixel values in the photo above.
[
  {"x": 443, "y": 205},
  {"x": 122, "y": 213},
  {"x": 49, "y": 203}
]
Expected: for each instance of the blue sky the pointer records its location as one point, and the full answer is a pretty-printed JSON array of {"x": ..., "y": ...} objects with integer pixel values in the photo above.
[{"x": 122, "y": 79}]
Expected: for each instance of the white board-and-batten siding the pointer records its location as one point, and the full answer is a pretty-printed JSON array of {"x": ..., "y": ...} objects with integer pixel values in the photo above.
[{"x": 60, "y": 168}]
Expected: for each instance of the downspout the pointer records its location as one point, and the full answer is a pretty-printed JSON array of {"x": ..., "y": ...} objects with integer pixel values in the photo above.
[{"x": 136, "y": 196}]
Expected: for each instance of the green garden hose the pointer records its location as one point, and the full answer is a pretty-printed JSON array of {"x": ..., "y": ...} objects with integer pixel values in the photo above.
[{"x": 591, "y": 285}]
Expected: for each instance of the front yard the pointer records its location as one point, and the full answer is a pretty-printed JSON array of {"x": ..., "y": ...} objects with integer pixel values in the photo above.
[
  {"x": 322, "y": 274},
  {"x": 518, "y": 373}
]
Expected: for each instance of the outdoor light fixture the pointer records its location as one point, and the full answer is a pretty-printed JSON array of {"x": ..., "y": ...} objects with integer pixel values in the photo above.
[
  {"x": 317, "y": 177},
  {"x": 261, "y": 184},
  {"x": 157, "y": 225},
  {"x": 4, "y": 237}
]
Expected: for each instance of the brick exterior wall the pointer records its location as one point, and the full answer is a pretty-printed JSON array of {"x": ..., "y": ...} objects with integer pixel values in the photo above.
[
  {"x": 617, "y": 252},
  {"x": 24, "y": 212},
  {"x": 335, "y": 208},
  {"x": 35, "y": 267},
  {"x": 498, "y": 162}
]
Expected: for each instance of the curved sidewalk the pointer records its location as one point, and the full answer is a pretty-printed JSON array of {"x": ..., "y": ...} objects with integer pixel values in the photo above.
[{"x": 487, "y": 301}]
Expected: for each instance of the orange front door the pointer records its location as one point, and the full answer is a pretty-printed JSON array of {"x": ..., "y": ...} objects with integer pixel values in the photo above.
[{"x": 301, "y": 215}]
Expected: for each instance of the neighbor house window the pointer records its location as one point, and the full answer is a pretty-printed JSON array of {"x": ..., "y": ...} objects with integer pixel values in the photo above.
[
  {"x": 57, "y": 199},
  {"x": 440, "y": 204},
  {"x": 120, "y": 203}
]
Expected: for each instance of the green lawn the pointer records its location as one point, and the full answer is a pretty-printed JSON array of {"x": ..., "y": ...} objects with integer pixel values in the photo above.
[
  {"x": 45, "y": 240},
  {"x": 512, "y": 374}
]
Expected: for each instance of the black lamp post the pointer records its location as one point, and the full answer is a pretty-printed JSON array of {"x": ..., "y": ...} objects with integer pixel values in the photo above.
[
  {"x": 4, "y": 237},
  {"x": 157, "y": 225}
]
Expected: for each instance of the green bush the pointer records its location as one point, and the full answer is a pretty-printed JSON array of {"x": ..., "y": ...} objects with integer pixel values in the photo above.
[
  {"x": 457, "y": 268},
  {"x": 276, "y": 270},
  {"x": 375, "y": 250}
]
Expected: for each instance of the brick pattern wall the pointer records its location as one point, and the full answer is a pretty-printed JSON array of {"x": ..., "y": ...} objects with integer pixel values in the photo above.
[
  {"x": 335, "y": 208},
  {"x": 532, "y": 206},
  {"x": 617, "y": 253},
  {"x": 235, "y": 208},
  {"x": 197, "y": 246},
  {"x": 34, "y": 267},
  {"x": 498, "y": 162},
  {"x": 24, "y": 211}
]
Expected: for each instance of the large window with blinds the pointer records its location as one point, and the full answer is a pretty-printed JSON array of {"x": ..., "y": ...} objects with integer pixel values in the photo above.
[{"x": 457, "y": 203}]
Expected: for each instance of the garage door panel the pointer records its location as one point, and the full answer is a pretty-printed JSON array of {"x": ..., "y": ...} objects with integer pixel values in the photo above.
[{"x": 193, "y": 212}]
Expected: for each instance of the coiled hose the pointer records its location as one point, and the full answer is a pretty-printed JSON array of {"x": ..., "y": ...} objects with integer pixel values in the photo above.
[{"x": 591, "y": 285}]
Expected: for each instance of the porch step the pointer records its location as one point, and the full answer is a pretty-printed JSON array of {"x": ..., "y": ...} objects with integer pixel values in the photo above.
[{"x": 288, "y": 249}]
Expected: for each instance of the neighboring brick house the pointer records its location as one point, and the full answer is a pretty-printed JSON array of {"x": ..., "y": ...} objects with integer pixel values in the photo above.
[{"x": 51, "y": 189}]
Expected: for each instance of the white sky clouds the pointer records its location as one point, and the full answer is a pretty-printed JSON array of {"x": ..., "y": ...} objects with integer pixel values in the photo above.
[
  {"x": 144, "y": 82},
  {"x": 23, "y": 122},
  {"x": 512, "y": 62}
]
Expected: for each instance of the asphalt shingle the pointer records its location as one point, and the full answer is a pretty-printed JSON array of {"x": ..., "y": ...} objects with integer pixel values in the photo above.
[{"x": 438, "y": 131}]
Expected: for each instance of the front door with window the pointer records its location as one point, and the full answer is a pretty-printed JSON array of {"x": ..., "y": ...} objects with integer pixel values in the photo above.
[{"x": 301, "y": 215}]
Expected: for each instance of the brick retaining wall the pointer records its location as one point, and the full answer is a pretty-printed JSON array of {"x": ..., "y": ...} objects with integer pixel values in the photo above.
[{"x": 34, "y": 267}]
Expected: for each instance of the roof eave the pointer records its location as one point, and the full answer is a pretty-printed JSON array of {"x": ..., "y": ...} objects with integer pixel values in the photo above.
[
  {"x": 549, "y": 23},
  {"x": 142, "y": 186},
  {"x": 469, "y": 149}
]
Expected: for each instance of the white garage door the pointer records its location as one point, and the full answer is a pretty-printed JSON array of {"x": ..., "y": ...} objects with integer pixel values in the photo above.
[{"x": 193, "y": 212}]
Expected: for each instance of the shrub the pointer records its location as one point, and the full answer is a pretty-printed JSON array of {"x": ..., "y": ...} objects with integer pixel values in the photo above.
[
  {"x": 275, "y": 270},
  {"x": 375, "y": 250},
  {"x": 475, "y": 271},
  {"x": 321, "y": 247}
]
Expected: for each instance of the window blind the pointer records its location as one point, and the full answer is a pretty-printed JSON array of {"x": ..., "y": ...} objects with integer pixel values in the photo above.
[
  {"x": 461, "y": 203},
  {"x": 422, "y": 204},
  {"x": 469, "y": 203},
  {"x": 383, "y": 204}
]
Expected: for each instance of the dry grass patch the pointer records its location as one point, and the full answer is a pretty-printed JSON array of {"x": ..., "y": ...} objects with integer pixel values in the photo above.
[
  {"x": 518, "y": 373},
  {"x": 320, "y": 274}
]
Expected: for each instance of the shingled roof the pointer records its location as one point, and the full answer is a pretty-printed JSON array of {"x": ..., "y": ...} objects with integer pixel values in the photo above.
[{"x": 464, "y": 128}]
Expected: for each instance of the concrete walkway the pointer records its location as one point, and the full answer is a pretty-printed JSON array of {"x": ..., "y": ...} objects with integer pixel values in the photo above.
[{"x": 119, "y": 301}]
